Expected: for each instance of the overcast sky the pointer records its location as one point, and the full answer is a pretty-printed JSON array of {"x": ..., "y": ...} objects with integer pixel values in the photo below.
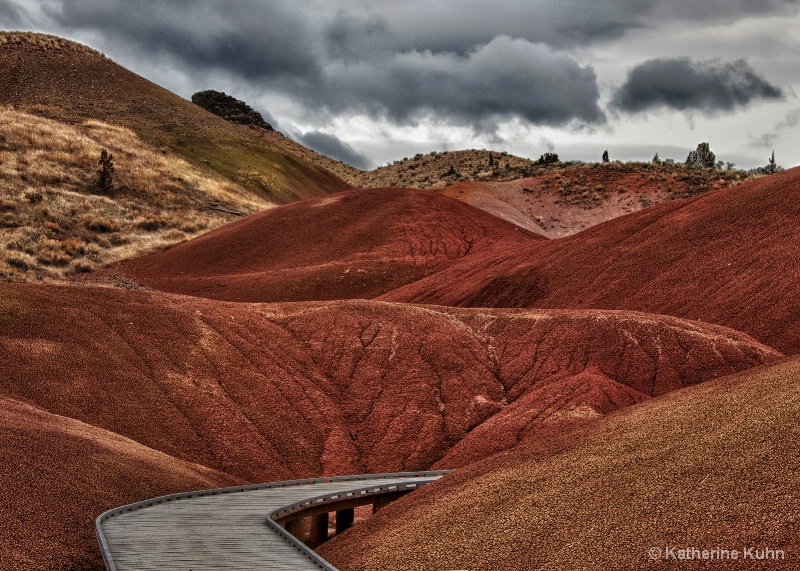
[{"x": 369, "y": 82}]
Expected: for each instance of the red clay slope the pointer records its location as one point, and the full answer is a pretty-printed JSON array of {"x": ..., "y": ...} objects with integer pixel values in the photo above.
[
  {"x": 708, "y": 467},
  {"x": 59, "y": 474},
  {"x": 355, "y": 244},
  {"x": 729, "y": 257},
  {"x": 278, "y": 391}
]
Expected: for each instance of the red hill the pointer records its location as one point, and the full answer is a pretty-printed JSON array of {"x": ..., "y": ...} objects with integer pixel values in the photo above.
[
  {"x": 727, "y": 257},
  {"x": 707, "y": 467},
  {"x": 59, "y": 474},
  {"x": 277, "y": 391},
  {"x": 354, "y": 244}
]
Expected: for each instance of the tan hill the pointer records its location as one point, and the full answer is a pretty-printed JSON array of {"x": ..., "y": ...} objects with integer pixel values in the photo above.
[
  {"x": 726, "y": 257},
  {"x": 55, "y": 220},
  {"x": 562, "y": 200},
  {"x": 355, "y": 244},
  {"x": 707, "y": 467},
  {"x": 277, "y": 391},
  {"x": 440, "y": 169},
  {"x": 69, "y": 82},
  {"x": 59, "y": 474}
]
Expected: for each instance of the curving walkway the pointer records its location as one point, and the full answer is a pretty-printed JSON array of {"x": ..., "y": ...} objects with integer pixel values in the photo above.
[{"x": 237, "y": 528}]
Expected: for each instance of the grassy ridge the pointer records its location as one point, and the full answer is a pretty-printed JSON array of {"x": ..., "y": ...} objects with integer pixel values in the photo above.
[
  {"x": 54, "y": 220},
  {"x": 62, "y": 80}
]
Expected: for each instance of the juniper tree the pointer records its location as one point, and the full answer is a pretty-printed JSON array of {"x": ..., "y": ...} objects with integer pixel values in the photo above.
[
  {"x": 702, "y": 157},
  {"x": 105, "y": 174}
]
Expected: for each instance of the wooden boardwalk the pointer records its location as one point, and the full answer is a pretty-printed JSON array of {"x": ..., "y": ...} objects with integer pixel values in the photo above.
[{"x": 231, "y": 528}]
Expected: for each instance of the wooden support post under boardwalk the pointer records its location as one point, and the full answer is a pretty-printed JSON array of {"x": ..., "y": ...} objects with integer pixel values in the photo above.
[
  {"x": 380, "y": 502},
  {"x": 319, "y": 530},
  {"x": 295, "y": 527},
  {"x": 344, "y": 519}
]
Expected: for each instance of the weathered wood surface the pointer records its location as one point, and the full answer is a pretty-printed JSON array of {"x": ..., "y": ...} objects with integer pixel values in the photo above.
[{"x": 224, "y": 529}]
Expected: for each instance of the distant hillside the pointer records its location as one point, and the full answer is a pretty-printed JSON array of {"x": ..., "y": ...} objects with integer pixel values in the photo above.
[
  {"x": 440, "y": 169},
  {"x": 561, "y": 200},
  {"x": 554, "y": 199},
  {"x": 68, "y": 82},
  {"x": 728, "y": 257}
]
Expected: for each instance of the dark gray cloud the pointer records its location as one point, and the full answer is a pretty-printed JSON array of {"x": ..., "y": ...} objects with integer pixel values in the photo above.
[
  {"x": 333, "y": 147},
  {"x": 340, "y": 62},
  {"x": 503, "y": 79},
  {"x": 12, "y": 15},
  {"x": 459, "y": 25},
  {"x": 719, "y": 10},
  {"x": 683, "y": 84},
  {"x": 350, "y": 37},
  {"x": 249, "y": 38}
]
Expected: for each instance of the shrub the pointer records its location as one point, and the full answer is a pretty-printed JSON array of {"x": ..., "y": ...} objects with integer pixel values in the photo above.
[
  {"x": 229, "y": 108},
  {"x": 150, "y": 225},
  {"x": 548, "y": 158},
  {"x": 34, "y": 197},
  {"x": 18, "y": 263},
  {"x": 99, "y": 224}
]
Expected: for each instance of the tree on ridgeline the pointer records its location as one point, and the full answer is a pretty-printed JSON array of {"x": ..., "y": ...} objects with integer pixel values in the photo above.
[
  {"x": 772, "y": 166},
  {"x": 702, "y": 157},
  {"x": 548, "y": 159}
]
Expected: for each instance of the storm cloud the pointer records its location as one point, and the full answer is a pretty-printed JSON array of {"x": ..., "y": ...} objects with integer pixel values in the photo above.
[
  {"x": 683, "y": 84},
  {"x": 333, "y": 147},
  {"x": 337, "y": 62},
  {"x": 502, "y": 79},
  {"x": 417, "y": 75},
  {"x": 247, "y": 38},
  {"x": 12, "y": 15}
]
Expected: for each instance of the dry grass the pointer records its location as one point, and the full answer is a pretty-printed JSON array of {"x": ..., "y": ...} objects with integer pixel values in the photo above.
[
  {"x": 438, "y": 170},
  {"x": 55, "y": 221},
  {"x": 46, "y": 42}
]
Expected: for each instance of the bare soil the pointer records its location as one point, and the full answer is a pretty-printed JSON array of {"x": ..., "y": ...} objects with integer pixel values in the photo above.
[
  {"x": 170, "y": 392},
  {"x": 355, "y": 244},
  {"x": 707, "y": 467},
  {"x": 726, "y": 257}
]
